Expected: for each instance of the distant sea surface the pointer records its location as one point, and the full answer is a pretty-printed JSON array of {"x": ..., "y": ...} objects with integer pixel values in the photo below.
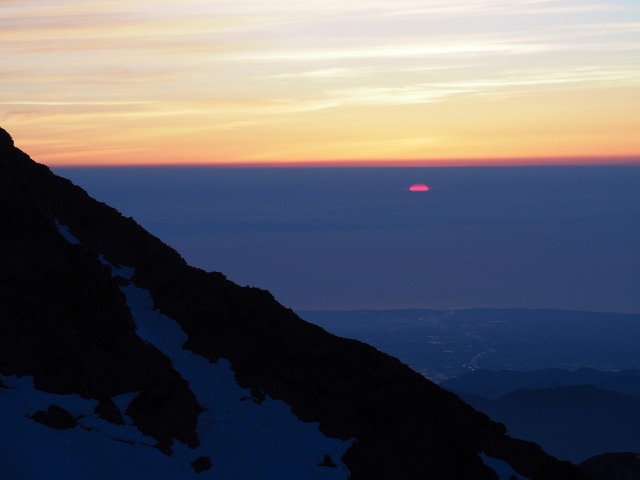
[{"x": 357, "y": 238}]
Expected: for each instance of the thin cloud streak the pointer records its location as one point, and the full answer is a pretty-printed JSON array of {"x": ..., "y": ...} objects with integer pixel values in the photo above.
[
  {"x": 513, "y": 8},
  {"x": 407, "y": 50}
]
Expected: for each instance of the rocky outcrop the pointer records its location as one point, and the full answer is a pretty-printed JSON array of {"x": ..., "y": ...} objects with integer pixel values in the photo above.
[
  {"x": 55, "y": 417},
  {"x": 327, "y": 462},
  {"x": 201, "y": 464},
  {"x": 109, "y": 411},
  {"x": 64, "y": 320},
  {"x": 613, "y": 466}
]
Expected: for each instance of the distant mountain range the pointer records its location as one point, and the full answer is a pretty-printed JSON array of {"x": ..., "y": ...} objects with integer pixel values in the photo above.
[
  {"x": 118, "y": 360},
  {"x": 494, "y": 384},
  {"x": 574, "y": 415}
]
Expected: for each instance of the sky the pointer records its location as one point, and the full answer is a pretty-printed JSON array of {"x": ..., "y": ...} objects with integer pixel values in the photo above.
[
  {"x": 564, "y": 237},
  {"x": 365, "y": 82}
]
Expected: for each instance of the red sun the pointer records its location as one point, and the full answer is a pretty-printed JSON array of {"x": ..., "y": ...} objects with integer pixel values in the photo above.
[{"x": 418, "y": 187}]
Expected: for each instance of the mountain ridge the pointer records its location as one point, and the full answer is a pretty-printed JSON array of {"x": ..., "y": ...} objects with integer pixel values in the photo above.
[{"x": 64, "y": 320}]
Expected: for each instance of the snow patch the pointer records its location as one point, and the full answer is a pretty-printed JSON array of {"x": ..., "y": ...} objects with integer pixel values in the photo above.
[
  {"x": 502, "y": 468},
  {"x": 64, "y": 231},
  {"x": 118, "y": 271},
  {"x": 123, "y": 401}
]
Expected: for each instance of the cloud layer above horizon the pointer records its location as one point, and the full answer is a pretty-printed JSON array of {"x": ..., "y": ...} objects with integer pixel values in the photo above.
[{"x": 247, "y": 81}]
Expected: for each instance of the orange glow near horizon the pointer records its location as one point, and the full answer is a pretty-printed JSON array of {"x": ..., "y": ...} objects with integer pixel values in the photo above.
[{"x": 253, "y": 83}]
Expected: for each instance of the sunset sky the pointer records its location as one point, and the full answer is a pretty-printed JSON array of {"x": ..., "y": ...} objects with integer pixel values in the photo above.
[{"x": 365, "y": 82}]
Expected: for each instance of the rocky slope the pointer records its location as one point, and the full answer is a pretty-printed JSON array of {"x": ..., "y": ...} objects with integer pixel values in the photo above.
[{"x": 66, "y": 321}]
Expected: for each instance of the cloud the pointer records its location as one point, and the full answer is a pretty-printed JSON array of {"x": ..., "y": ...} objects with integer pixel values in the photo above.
[
  {"x": 501, "y": 7},
  {"x": 407, "y": 95},
  {"x": 397, "y": 51}
]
